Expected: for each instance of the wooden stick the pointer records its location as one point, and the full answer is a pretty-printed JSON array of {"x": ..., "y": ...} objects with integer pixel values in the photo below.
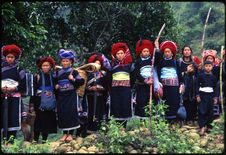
[
  {"x": 221, "y": 89},
  {"x": 163, "y": 26},
  {"x": 204, "y": 30},
  {"x": 152, "y": 66}
]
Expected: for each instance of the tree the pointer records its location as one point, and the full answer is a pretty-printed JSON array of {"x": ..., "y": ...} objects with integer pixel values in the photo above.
[
  {"x": 85, "y": 27},
  {"x": 20, "y": 26}
]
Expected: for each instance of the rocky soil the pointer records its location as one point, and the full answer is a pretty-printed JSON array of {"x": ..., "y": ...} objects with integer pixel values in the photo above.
[{"x": 89, "y": 145}]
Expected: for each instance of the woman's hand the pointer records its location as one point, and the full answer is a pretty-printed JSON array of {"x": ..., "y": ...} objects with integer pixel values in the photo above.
[
  {"x": 70, "y": 77},
  {"x": 198, "y": 99},
  {"x": 57, "y": 86},
  {"x": 156, "y": 43}
]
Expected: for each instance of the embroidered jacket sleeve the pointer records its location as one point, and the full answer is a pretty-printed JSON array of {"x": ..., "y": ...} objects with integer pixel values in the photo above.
[
  {"x": 22, "y": 81},
  {"x": 158, "y": 57},
  {"x": 33, "y": 99},
  {"x": 137, "y": 71},
  {"x": 216, "y": 72},
  {"x": 109, "y": 77},
  {"x": 215, "y": 88},
  {"x": 198, "y": 80},
  {"x": 78, "y": 80},
  {"x": 132, "y": 75},
  {"x": 179, "y": 73}
]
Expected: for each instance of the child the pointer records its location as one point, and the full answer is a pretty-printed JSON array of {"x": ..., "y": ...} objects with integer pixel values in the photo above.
[
  {"x": 170, "y": 77},
  {"x": 206, "y": 97},
  {"x": 144, "y": 49},
  {"x": 45, "y": 120},
  {"x": 122, "y": 80},
  {"x": 10, "y": 71},
  {"x": 68, "y": 80},
  {"x": 189, "y": 96},
  {"x": 211, "y": 55},
  {"x": 94, "y": 96}
]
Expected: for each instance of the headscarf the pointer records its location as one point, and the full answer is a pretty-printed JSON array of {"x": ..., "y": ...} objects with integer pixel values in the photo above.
[
  {"x": 11, "y": 49},
  {"x": 142, "y": 44},
  {"x": 171, "y": 45},
  {"x": 121, "y": 46},
  {"x": 67, "y": 54},
  {"x": 42, "y": 60},
  {"x": 207, "y": 53},
  {"x": 96, "y": 57},
  {"x": 104, "y": 61}
]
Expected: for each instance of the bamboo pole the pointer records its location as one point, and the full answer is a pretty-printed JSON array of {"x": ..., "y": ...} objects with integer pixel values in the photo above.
[
  {"x": 204, "y": 31},
  {"x": 221, "y": 87},
  {"x": 152, "y": 66}
]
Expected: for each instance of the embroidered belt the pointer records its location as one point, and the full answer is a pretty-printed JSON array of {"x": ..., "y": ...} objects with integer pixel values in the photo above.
[
  {"x": 66, "y": 87},
  {"x": 15, "y": 94},
  {"x": 206, "y": 89},
  {"x": 97, "y": 93},
  {"x": 124, "y": 83},
  {"x": 121, "y": 76},
  {"x": 47, "y": 92},
  {"x": 170, "y": 82}
]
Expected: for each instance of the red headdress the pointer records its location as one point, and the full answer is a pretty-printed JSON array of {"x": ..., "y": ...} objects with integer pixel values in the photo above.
[
  {"x": 11, "y": 49},
  {"x": 42, "y": 60},
  {"x": 121, "y": 46},
  {"x": 96, "y": 57},
  {"x": 207, "y": 53},
  {"x": 142, "y": 44},
  {"x": 171, "y": 45}
]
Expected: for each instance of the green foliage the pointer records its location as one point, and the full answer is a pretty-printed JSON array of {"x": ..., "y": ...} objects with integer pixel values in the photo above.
[
  {"x": 218, "y": 127},
  {"x": 166, "y": 140},
  {"x": 192, "y": 16},
  {"x": 20, "y": 26},
  {"x": 112, "y": 138},
  {"x": 19, "y": 147},
  {"x": 42, "y": 28}
]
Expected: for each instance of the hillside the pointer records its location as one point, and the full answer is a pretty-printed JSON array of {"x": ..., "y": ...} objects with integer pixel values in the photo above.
[{"x": 191, "y": 17}]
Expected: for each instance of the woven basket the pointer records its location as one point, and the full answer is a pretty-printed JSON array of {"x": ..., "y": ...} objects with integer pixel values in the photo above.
[{"x": 81, "y": 89}]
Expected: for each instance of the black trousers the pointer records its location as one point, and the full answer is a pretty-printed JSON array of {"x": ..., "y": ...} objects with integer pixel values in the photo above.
[{"x": 205, "y": 110}]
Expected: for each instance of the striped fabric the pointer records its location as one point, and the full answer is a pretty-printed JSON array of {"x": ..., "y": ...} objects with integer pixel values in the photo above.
[{"x": 67, "y": 54}]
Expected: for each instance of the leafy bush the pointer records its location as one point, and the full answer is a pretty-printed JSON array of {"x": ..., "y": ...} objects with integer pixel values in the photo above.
[{"x": 25, "y": 147}]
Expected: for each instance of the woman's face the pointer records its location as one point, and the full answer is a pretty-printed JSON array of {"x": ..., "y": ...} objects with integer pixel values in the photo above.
[
  {"x": 187, "y": 52},
  {"x": 10, "y": 58},
  {"x": 120, "y": 55},
  {"x": 66, "y": 63},
  {"x": 210, "y": 58},
  {"x": 168, "y": 53},
  {"x": 145, "y": 53},
  {"x": 46, "y": 66}
]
